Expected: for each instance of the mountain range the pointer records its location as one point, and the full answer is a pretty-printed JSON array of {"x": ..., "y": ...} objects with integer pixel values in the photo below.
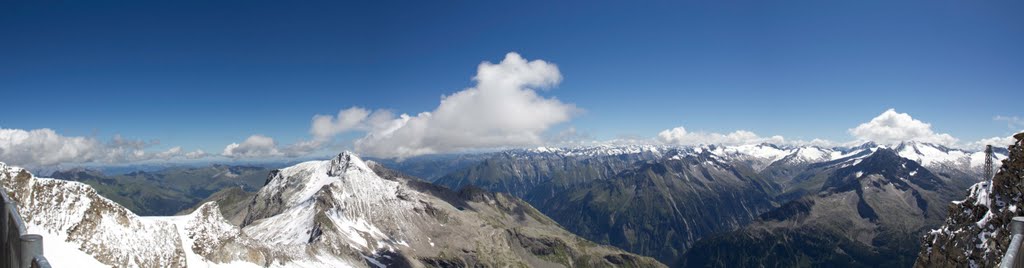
[
  {"x": 660, "y": 201},
  {"x": 342, "y": 212},
  {"x": 169, "y": 190},
  {"x": 713, "y": 205}
]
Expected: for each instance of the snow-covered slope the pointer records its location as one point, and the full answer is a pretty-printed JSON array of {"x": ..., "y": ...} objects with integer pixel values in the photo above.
[
  {"x": 74, "y": 220},
  {"x": 938, "y": 156},
  {"x": 764, "y": 155},
  {"x": 590, "y": 151},
  {"x": 333, "y": 204},
  {"x": 342, "y": 212}
]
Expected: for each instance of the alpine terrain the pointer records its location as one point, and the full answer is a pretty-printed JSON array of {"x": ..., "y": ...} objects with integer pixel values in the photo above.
[
  {"x": 872, "y": 200},
  {"x": 342, "y": 212},
  {"x": 167, "y": 190},
  {"x": 976, "y": 232}
]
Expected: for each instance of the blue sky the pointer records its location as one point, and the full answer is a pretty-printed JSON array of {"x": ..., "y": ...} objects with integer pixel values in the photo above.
[{"x": 203, "y": 74}]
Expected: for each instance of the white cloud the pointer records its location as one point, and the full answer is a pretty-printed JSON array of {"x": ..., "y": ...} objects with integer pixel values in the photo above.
[
  {"x": 197, "y": 154},
  {"x": 255, "y": 146},
  {"x": 814, "y": 142},
  {"x": 45, "y": 147},
  {"x": 1012, "y": 122},
  {"x": 260, "y": 146},
  {"x": 173, "y": 152},
  {"x": 891, "y": 127},
  {"x": 997, "y": 142},
  {"x": 502, "y": 110},
  {"x": 348, "y": 119},
  {"x": 324, "y": 127},
  {"x": 679, "y": 136}
]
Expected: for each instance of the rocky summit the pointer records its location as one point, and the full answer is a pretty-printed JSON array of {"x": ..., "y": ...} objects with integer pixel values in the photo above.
[{"x": 976, "y": 232}]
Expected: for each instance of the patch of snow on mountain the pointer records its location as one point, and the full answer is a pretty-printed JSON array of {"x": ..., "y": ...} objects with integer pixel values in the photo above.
[
  {"x": 977, "y": 159},
  {"x": 931, "y": 155},
  {"x": 59, "y": 252},
  {"x": 591, "y": 151},
  {"x": 764, "y": 151},
  {"x": 809, "y": 154}
]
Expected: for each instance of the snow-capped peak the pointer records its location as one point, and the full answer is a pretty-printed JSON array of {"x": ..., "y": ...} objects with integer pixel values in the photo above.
[
  {"x": 809, "y": 154},
  {"x": 341, "y": 202},
  {"x": 934, "y": 155},
  {"x": 345, "y": 162},
  {"x": 763, "y": 150},
  {"x": 589, "y": 151}
]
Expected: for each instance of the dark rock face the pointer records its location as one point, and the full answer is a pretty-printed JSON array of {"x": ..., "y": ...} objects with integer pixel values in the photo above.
[
  {"x": 867, "y": 212},
  {"x": 976, "y": 232},
  {"x": 646, "y": 205},
  {"x": 889, "y": 165},
  {"x": 520, "y": 173},
  {"x": 232, "y": 202},
  {"x": 432, "y": 167},
  {"x": 661, "y": 208},
  {"x": 792, "y": 210},
  {"x": 260, "y": 208}
]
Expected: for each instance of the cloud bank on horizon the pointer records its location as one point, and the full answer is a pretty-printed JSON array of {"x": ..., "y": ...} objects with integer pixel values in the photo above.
[
  {"x": 44, "y": 147},
  {"x": 502, "y": 110}
]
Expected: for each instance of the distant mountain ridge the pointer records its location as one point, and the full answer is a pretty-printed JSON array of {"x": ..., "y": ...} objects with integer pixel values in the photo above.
[
  {"x": 336, "y": 213},
  {"x": 685, "y": 206},
  {"x": 870, "y": 209},
  {"x": 587, "y": 189},
  {"x": 167, "y": 191}
]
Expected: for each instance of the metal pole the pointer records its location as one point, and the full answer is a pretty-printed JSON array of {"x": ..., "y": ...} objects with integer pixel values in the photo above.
[
  {"x": 31, "y": 245},
  {"x": 4, "y": 239},
  {"x": 1017, "y": 225},
  {"x": 40, "y": 262},
  {"x": 1013, "y": 258},
  {"x": 10, "y": 233}
]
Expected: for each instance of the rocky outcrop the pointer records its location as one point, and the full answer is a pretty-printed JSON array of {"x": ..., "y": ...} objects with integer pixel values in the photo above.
[
  {"x": 976, "y": 232},
  {"x": 207, "y": 234},
  {"x": 233, "y": 203},
  {"x": 75, "y": 214}
]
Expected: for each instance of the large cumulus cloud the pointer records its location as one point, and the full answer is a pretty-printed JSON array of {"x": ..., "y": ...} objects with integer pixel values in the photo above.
[
  {"x": 893, "y": 127},
  {"x": 503, "y": 109}
]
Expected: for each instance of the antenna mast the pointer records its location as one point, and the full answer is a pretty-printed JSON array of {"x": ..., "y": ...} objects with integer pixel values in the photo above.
[{"x": 988, "y": 166}]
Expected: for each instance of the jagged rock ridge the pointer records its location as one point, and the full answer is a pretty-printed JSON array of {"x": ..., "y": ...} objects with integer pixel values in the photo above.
[{"x": 976, "y": 232}]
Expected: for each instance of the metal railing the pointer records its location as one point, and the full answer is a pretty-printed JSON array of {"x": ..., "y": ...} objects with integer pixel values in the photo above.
[
  {"x": 1014, "y": 257},
  {"x": 18, "y": 249}
]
